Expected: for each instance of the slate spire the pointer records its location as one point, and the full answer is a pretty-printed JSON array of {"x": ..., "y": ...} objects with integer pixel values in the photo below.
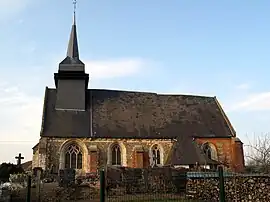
[
  {"x": 73, "y": 49},
  {"x": 72, "y": 57}
]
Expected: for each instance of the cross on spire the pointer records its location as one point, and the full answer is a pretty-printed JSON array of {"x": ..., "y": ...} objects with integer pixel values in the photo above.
[
  {"x": 74, "y": 11},
  {"x": 19, "y": 159}
]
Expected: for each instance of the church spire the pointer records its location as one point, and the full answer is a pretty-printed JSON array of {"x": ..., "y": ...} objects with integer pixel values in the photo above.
[
  {"x": 73, "y": 49},
  {"x": 72, "y": 57},
  {"x": 71, "y": 80}
]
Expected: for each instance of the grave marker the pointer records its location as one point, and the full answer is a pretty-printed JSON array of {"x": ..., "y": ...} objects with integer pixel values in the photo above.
[{"x": 19, "y": 159}]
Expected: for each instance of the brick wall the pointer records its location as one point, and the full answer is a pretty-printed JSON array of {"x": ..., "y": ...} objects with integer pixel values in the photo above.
[{"x": 229, "y": 151}]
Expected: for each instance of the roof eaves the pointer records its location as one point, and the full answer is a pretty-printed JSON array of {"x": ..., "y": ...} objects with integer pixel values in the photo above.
[
  {"x": 44, "y": 111},
  {"x": 233, "y": 132},
  {"x": 35, "y": 146}
]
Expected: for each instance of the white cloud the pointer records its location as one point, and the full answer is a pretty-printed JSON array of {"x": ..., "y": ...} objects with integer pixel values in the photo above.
[
  {"x": 243, "y": 86},
  {"x": 254, "y": 102},
  {"x": 20, "y": 114},
  {"x": 11, "y": 7},
  {"x": 20, "y": 120},
  {"x": 113, "y": 68}
]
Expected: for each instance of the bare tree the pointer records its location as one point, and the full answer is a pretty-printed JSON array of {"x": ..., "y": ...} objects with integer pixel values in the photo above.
[{"x": 258, "y": 153}]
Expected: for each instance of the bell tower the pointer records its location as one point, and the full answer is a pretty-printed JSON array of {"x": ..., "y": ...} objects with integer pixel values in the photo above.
[{"x": 71, "y": 81}]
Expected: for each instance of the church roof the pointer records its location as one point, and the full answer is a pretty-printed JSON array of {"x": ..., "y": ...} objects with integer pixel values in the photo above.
[
  {"x": 125, "y": 114},
  {"x": 186, "y": 151}
]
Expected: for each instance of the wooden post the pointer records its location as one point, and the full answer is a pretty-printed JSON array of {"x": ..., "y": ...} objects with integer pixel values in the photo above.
[
  {"x": 221, "y": 184},
  {"x": 28, "y": 197},
  {"x": 38, "y": 182}
]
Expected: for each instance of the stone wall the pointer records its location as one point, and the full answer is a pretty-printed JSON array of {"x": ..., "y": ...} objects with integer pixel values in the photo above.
[
  {"x": 238, "y": 188},
  {"x": 146, "y": 180},
  {"x": 55, "y": 147}
]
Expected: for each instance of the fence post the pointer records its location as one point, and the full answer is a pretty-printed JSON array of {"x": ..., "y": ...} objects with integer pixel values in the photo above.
[
  {"x": 221, "y": 184},
  {"x": 28, "y": 198},
  {"x": 38, "y": 183},
  {"x": 102, "y": 186}
]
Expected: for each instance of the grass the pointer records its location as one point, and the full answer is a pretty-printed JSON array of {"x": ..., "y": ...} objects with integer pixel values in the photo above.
[
  {"x": 155, "y": 200},
  {"x": 149, "y": 198}
]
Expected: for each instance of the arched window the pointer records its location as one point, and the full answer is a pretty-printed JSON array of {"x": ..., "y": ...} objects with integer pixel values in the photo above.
[
  {"x": 210, "y": 151},
  {"x": 207, "y": 151},
  {"x": 116, "y": 155},
  {"x": 156, "y": 155},
  {"x": 73, "y": 157}
]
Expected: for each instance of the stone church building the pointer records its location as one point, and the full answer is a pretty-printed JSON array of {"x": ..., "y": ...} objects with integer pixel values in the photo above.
[{"x": 88, "y": 129}]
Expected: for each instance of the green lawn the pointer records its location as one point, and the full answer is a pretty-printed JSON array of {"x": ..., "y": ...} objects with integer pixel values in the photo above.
[
  {"x": 152, "y": 199},
  {"x": 159, "y": 200}
]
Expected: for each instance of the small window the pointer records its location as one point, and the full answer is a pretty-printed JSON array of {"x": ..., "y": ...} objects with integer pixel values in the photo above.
[
  {"x": 116, "y": 155},
  {"x": 156, "y": 155}
]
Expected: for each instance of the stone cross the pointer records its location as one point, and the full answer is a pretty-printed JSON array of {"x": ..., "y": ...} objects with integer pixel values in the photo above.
[
  {"x": 19, "y": 159},
  {"x": 74, "y": 4}
]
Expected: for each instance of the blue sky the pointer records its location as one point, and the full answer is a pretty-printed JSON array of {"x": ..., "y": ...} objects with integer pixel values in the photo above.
[{"x": 215, "y": 48}]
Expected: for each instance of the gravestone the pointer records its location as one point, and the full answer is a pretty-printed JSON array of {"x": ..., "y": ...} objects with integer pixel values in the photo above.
[
  {"x": 5, "y": 195},
  {"x": 179, "y": 179},
  {"x": 66, "y": 177},
  {"x": 38, "y": 171}
]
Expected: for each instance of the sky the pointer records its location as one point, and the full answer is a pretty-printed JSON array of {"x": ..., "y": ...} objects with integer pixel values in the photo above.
[{"x": 212, "y": 48}]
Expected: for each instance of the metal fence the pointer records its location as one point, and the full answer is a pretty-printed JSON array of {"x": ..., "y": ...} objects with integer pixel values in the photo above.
[{"x": 137, "y": 185}]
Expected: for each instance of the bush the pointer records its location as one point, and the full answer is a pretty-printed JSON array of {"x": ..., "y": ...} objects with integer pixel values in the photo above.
[
  {"x": 6, "y": 169},
  {"x": 20, "y": 178}
]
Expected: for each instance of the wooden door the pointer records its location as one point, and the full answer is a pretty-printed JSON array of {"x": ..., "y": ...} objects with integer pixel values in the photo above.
[
  {"x": 93, "y": 161},
  {"x": 139, "y": 160}
]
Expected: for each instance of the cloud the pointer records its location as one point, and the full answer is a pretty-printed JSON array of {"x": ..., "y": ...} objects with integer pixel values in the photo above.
[
  {"x": 20, "y": 115},
  {"x": 254, "y": 102},
  {"x": 114, "y": 68},
  {"x": 243, "y": 86},
  {"x": 20, "y": 120},
  {"x": 11, "y": 7}
]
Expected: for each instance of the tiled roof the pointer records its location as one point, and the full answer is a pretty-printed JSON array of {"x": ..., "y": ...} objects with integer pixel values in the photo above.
[
  {"x": 125, "y": 114},
  {"x": 186, "y": 151}
]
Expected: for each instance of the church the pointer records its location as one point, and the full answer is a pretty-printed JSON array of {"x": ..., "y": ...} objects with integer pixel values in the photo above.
[{"x": 88, "y": 129}]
